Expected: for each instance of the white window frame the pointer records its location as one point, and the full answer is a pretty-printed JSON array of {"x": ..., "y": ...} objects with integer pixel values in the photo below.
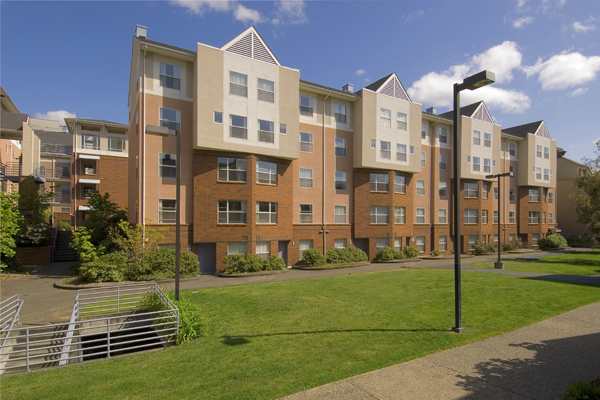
[
  {"x": 263, "y": 250},
  {"x": 385, "y": 150},
  {"x": 237, "y": 248},
  {"x": 379, "y": 182},
  {"x": 90, "y": 141},
  {"x": 341, "y": 181},
  {"x": 385, "y": 118},
  {"x": 120, "y": 144},
  {"x": 511, "y": 195},
  {"x": 487, "y": 139},
  {"x": 443, "y": 162},
  {"x": 538, "y": 152},
  {"x": 512, "y": 217},
  {"x": 165, "y": 210},
  {"x": 305, "y": 213},
  {"x": 421, "y": 244},
  {"x": 496, "y": 217},
  {"x": 340, "y": 147},
  {"x": 266, "y": 131},
  {"x": 420, "y": 187},
  {"x": 399, "y": 215},
  {"x": 534, "y": 217},
  {"x": 264, "y": 94},
  {"x": 401, "y": 121},
  {"x": 423, "y": 159},
  {"x": 476, "y": 138},
  {"x": 401, "y": 152},
  {"x": 340, "y": 111},
  {"x": 340, "y": 216},
  {"x": 476, "y": 164},
  {"x": 306, "y": 106},
  {"x": 487, "y": 165},
  {"x": 340, "y": 243},
  {"x": 442, "y": 135},
  {"x": 471, "y": 190},
  {"x": 218, "y": 117},
  {"x": 471, "y": 216},
  {"x": 400, "y": 184},
  {"x": 379, "y": 215},
  {"x": 442, "y": 216},
  {"x": 547, "y": 153},
  {"x": 225, "y": 212},
  {"x": 484, "y": 216},
  {"x": 534, "y": 195},
  {"x": 443, "y": 189},
  {"x": 306, "y": 178},
  {"x": 306, "y": 142},
  {"x": 164, "y": 167},
  {"x": 443, "y": 243},
  {"x": 239, "y": 129},
  {"x": 238, "y": 84},
  {"x": 420, "y": 215},
  {"x": 304, "y": 244},
  {"x": 166, "y": 76},
  {"x": 266, "y": 172},
  {"x": 382, "y": 242},
  {"x": 240, "y": 170},
  {"x": 266, "y": 212}
]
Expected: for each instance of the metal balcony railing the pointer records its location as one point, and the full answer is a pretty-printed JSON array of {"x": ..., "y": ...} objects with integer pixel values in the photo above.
[
  {"x": 61, "y": 198},
  {"x": 56, "y": 148},
  {"x": 10, "y": 169},
  {"x": 58, "y": 172}
]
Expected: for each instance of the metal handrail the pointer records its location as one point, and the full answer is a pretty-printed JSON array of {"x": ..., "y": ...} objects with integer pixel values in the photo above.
[
  {"x": 54, "y": 244},
  {"x": 9, "y": 314},
  {"x": 56, "y": 148}
]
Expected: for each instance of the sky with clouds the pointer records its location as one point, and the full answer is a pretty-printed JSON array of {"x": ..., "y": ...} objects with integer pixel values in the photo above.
[{"x": 73, "y": 57}]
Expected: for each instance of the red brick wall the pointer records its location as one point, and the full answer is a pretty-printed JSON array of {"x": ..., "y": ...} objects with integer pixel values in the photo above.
[{"x": 34, "y": 255}]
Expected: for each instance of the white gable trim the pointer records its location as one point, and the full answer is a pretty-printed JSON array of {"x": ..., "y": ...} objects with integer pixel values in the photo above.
[
  {"x": 481, "y": 113},
  {"x": 250, "y": 44},
  {"x": 543, "y": 131},
  {"x": 393, "y": 88}
]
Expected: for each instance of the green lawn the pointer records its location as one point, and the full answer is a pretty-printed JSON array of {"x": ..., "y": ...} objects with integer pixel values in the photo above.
[
  {"x": 580, "y": 263},
  {"x": 272, "y": 339}
]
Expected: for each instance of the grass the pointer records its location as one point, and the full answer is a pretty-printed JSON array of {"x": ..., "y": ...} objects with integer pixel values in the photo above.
[
  {"x": 272, "y": 339},
  {"x": 581, "y": 263}
]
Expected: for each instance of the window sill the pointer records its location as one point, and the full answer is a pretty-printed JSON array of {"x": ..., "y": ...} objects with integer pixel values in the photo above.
[
  {"x": 238, "y": 182},
  {"x": 266, "y": 184},
  {"x": 231, "y": 224}
]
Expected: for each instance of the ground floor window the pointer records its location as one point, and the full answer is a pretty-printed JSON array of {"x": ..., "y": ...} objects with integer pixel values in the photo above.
[
  {"x": 236, "y": 248},
  {"x": 443, "y": 243},
  {"x": 535, "y": 238},
  {"x": 263, "y": 250},
  {"x": 421, "y": 243},
  {"x": 340, "y": 243},
  {"x": 398, "y": 244},
  {"x": 472, "y": 240},
  {"x": 166, "y": 211},
  {"x": 382, "y": 242},
  {"x": 305, "y": 245}
]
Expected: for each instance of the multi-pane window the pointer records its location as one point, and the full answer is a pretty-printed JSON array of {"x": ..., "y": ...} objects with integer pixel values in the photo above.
[
  {"x": 484, "y": 190},
  {"x": 239, "y": 127},
  {"x": 266, "y": 212},
  {"x": 380, "y": 183},
  {"x": 232, "y": 212},
  {"x": 512, "y": 149},
  {"x": 512, "y": 219},
  {"x": 487, "y": 141},
  {"x": 306, "y": 142},
  {"x": 340, "y": 214},
  {"x": 495, "y": 238},
  {"x": 340, "y": 147},
  {"x": 443, "y": 189},
  {"x": 386, "y": 150},
  {"x": 305, "y": 245},
  {"x": 472, "y": 240},
  {"x": 399, "y": 184},
  {"x": 232, "y": 169},
  {"x": 266, "y": 172},
  {"x": 534, "y": 195},
  {"x": 398, "y": 244},
  {"x": 385, "y": 118},
  {"x": 476, "y": 138},
  {"x": 170, "y": 118},
  {"x": 266, "y": 90},
  {"x": 263, "y": 250},
  {"x": 340, "y": 113},
  {"x": 544, "y": 195},
  {"x": 306, "y": 214},
  {"x": 90, "y": 141},
  {"x": 443, "y": 135},
  {"x": 539, "y": 151},
  {"x": 496, "y": 217},
  {"x": 380, "y": 215},
  {"x": 306, "y": 106},
  {"x": 487, "y": 165},
  {"x": 471, "y": 216},
  {"x": 535, "y": 238},
  {"x": 443, "y": 243},
  {"x": 420, "y": 187},
  {"x": 423, "y": 131},
  {"x": 401, "y": 121},
  {"x": 423, "y": 159},
  {"x": 167, "y": 165},
  {"x": 550, "y": 218},
  {"x": 306, "y": 178},
  {"x": 443, "y": 162},
  {"x": 236, "y": 248},
  {"x": 543, "y": 217},
  {"x": 550, "y": 198},
  {"x": 511, "y": 194},
  {"x": 511, "y": 169},
  {"x": 266, "y": 131},
  {"x": 534, "y": 217},
  {"x": 421, "y": 243},
  {"x": 382, "y": 242},
  {"x": 496, "y": 193},
  {"x": 217, "y": 117},
  {"x": 116, "y": 144},
  {"x": 476, "y": 164},
  {"x": 420, "y": 213},
  {"x": 538, "y": 174},
  {"x": 400, "y": 152},
  {"x": 238, "y": 84},
  {"x": 340, "y": 180},
  {"x": 471, "y": 190},
  {"x": 340, "y": 243},
  {"x": 546, "y": 153},
  {"x": 546, "y": 174},
  {"x": 442, "y": 217},
  {"x": 399, "y": 215},
  {"x": 170, "y": 76},
  {"x": 167, "y": 211},
  {"x": 484, "y": 216}
]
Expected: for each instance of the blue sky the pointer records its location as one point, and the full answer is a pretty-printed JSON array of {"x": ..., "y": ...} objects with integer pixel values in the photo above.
[{"x": 73, "y": 57}]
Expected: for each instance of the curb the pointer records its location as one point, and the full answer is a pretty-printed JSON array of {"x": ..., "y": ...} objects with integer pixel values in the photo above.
[
  {"x": 97, "y": 285},
  {"x": 262, "y": 273},
  {"x": 326, "y": 268},
  {"x": 403, "y": 260}
]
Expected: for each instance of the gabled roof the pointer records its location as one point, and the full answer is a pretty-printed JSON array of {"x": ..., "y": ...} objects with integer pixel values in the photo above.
[
  {"x": 328, "y": 89},
  {"x": 467, "y": 111},
  {"x": 534, "y": 128},
  {"x": 166, "y": 46},
  {"x": 13, "y": 121},
  {"x": 250, "y": 44},
  {"x": 390, "y": 86},
  {"x": 7, "y": 102}
]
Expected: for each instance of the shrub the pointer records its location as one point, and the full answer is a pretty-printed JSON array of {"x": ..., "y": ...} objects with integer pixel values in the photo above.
[
  {"x": 312, "y": 258},
  {"x": 274, "y": 263},
  {"x": 243, "y": 263},
  {"x": 581, "y": 390},
  {"x": 478, "y": 249},
  {"x": 435, "y": 253},
  {"x": 384, "y": 254},
  {"x": 553, "y": 241},
  {"x": 493, "y": 249},
  {"x": 107, "y": 268},
  {"x": 82, "y": 244},
  {"x": 162, "y": 261},
  {"x": 64, "y": 226},
  {"x": 355, "y": 254},
  {"x": 410, "y": 252},
  {"x": 398, "y": 255},
  {"x": 337, "y": 256}
]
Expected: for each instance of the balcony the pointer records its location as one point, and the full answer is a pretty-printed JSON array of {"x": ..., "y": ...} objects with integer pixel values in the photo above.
[
  {"x": 61, "y": 198},
  {"x": 58, "y": 173},
  {"x": 56, "y": 149},
  {"x": 10, "y": 172}
]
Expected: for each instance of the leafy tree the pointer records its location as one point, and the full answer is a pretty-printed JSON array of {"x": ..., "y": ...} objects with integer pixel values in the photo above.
[
  {"x": 82, "y": 243},
  {"x": 11, "y": 221},
  {"x": 103, "y": 215},
  {"x": 135, "y": 240},
  {"x": 586, "y": 200},
  {"x": 36, "y": 209}
]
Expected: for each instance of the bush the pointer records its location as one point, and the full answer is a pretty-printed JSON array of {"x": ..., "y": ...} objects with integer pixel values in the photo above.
[
  {"x": 274, "y": 263},
  {"x": 161, "y": 262},
  {"x": 493, "y": 249},
  {"x": 580, "y": 391},
  {"x": 410, "y": 252},
  {"x": 355, "y": 254},
  {"x": 384, "y": 254},
  {"x": 243, "y": 263},
  {"x": 398, "y": 255},
  {"x": 345, "y": 255},
  {"x": 478, "y": 249},
  {"x": 107, "y": 268},
  {"x": 553, "y": 241},
  {"x": 64, "y": 226},
  {"x": 435, "y": 253},
  {"x": 312, "y": 258}
]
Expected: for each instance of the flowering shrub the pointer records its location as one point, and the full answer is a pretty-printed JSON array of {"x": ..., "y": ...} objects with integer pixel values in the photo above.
[{"x": 33, "y": 233}]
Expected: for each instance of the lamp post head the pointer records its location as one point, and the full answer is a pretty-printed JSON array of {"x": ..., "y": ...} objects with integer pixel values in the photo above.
[{"x": 478, "y": 80}]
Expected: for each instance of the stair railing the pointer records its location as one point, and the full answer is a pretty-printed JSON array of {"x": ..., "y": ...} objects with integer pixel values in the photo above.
[{"x": 54, "y": 242}]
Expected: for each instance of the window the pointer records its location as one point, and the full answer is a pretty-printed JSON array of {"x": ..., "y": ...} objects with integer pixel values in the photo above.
[
  {"x": 217, "y": 117},
  {"x": 67, "y": 209},
  {"x": 380, "y": 183},
  {"x": 166, "y": 211},
  {"x": 421, "y": 243},
  {"x": 476, "y": 138},
  {"x": 486, "y": 165},
  {"x": 487, "y": 142},
  {"x": 398, "y": 244},
  {"x": 305, "y": 245},
  {"x": 512, "y": 149},
  {"x": 496, "y": 218},
  {"x": 236, "y": 248},
  {"x": 544, "y": 195},
  {"x": 167, "y": 165},
  {"x": 340, "y": 180},
  {"x": 511, "y": 194},
  {"x": 238, "y": 84},
  {"x": 443, "y": 243},
  {"x": 484, "y": 190},
  {"x": 283, "y": 129},
  {"x": 116, "y": 144},
  {"x": 266, "y": 131},
  {"x": 373, "y": 143},
  {"x": 420, "y": 187},
  {"x": 423, "y": 131},
  {"x": 443, "y": 189},
  {"x": 539, "y": 151},
  {"x": 399, "y": 215},
  {"x": 476, "y": 164},
  {"x": 443, "y": 162},
  {"x": 340, "y": 147},
  {"x": 534, "y": 217},
  {"x": 543, "y": 217},
  {"x": 306, "y": 178},
  {"x": 239, "y": 127},
  {"x": 170, "y": 76},
  {"x": 443, "y": 135},
  {"x": 495, "y": 238},
  {"x": 385, "y": 118},
  {"x": 382, "y": 242},
  {"x": 306, "y": 142},
  {"x": 263, "y": 250},
  {"x": 399, "y": 184},
  {"x": 266, "y": 90},
  {"x": 420, "y": 215},
  {"x": 232, "y": 169},
  {"x": 340, "y": 215},
  {"x": 471, "y": 190},
  {"x": 512, "y": 219},
  {"x": 550, "y": 218},
  {"x": 340, "y": 243},
  {"x": 266, "y": 213},
  {"x": 534, "y": 195},
  {"x": 266, "y": 172},
  {"x": 232, "y": 212},
  {"x": 400, "y": 152},
  {"x": 380, "y": 215},
  {"x": 496, "y": 193},
  {"x": 550, "y": 198},
  {"x": 484, "y": 216},
  {"x": 535, "y": 238},
  {"x": 442, "y": 218},
  {"x": 385, "y": 150},
  {"x": 472, "y": 240},
  {"x": 340, "y": 113},
  {"x": 411, "y": 149},
  {"x": 423, "y": 159},
  {"x": 471, "y": 216},
  {"x": 306, "y": 214},
  {"x": 468, "y": 159},
  {"x": 401, "y": 119},
  {"x": 538, "y": 174},
  {"x": 511, "y": 169},
  {"x": 306, "y": 106},
  {"x": 546, "y": 174},
  {"x": 90, "y": 142},
  {"x": 546, "y": 153}
]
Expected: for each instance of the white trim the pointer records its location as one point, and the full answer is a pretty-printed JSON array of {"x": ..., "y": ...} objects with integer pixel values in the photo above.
[
  {"x": 84, "y": 208},
  {"x": 88, "y": 157},
  {"x": 92, "y": 181}
]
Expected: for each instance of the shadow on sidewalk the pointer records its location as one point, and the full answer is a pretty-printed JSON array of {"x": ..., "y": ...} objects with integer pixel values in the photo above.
[
  {"x": 56, "y": 269},
  {"x": 555, "y": 364}
]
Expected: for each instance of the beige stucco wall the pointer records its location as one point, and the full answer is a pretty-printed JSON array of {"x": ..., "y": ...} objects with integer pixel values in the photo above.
[
  {"x": 528, "y": 159},
  {"x": 468, "y": 126}
]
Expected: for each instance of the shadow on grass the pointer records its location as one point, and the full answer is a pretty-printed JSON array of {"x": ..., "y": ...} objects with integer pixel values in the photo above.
[{"x": 592, "y": 281}]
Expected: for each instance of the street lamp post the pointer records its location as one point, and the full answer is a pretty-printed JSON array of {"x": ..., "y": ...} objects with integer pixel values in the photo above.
[
  {"x": 499, "y": 264},
  {"x": 471, "y": 83}
]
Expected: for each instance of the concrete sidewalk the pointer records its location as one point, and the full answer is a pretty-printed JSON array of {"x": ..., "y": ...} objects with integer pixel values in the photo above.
[{"x": 535, "y": 362}]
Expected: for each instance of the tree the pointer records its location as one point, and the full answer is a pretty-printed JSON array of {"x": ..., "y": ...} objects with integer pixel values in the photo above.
[
  {"x": 587, "y": 202},
  {"x": 103, "y": 215},
  {"x": 11, "y": 222},
  {"x": 134, "y": 240},
  {"x": 36, "y": 209}
]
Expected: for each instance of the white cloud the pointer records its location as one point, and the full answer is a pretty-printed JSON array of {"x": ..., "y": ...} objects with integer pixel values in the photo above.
[
  {"x": 501, "y": 59},
  {"x": 290, "y": 11},
  {"x": 413, "y": 15},
  {"x": 578, "y": 92},
  {"x": 55, "y": 116},
  {"x": 360, "y": 72},
  {"x": 199, "y": 7},
  {"x": 565, "y": 70},
  {"x": 581, "y": 28},
  {"x": 521, "y": 22},
  {"x": 246, "y": 15}
]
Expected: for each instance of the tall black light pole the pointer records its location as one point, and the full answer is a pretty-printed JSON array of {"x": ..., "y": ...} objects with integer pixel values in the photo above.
[
  {"x": 471, "y": 83},
  {"x": 177, "y": 213},
  {"x": 499, "y": 264}
]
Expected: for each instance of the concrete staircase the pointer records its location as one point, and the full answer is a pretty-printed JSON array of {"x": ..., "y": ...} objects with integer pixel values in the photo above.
[{"x": 63, "y": 252}]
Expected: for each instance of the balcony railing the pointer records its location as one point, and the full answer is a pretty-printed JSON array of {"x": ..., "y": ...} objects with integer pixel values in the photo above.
[
  {"x": 58, "y": 172},
  {"x": 61, "y": 198},
  {"x": 10, "y": 169},
  {"x": 56, "y": 148}
]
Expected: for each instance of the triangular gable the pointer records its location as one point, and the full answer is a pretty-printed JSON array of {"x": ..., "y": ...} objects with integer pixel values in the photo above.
[
  {"x": 482, "y": 114},
  {"x": 543, "y": 131},
  {"x": 393, "y": 87},
  {"x": 250, "y": 44}
]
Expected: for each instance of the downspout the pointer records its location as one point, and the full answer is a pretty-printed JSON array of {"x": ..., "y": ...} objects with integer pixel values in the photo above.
[
  {"x": 432, "y": 189},
  {"x": 143, "y": 152},
  {"x": 323, "y": 191}
]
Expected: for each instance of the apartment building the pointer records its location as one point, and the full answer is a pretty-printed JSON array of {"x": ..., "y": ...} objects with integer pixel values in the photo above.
[
  {"x": 273, "y": 165},
  {"x": 568, "y": 170},
  {"x": 11, "y": 127}
]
